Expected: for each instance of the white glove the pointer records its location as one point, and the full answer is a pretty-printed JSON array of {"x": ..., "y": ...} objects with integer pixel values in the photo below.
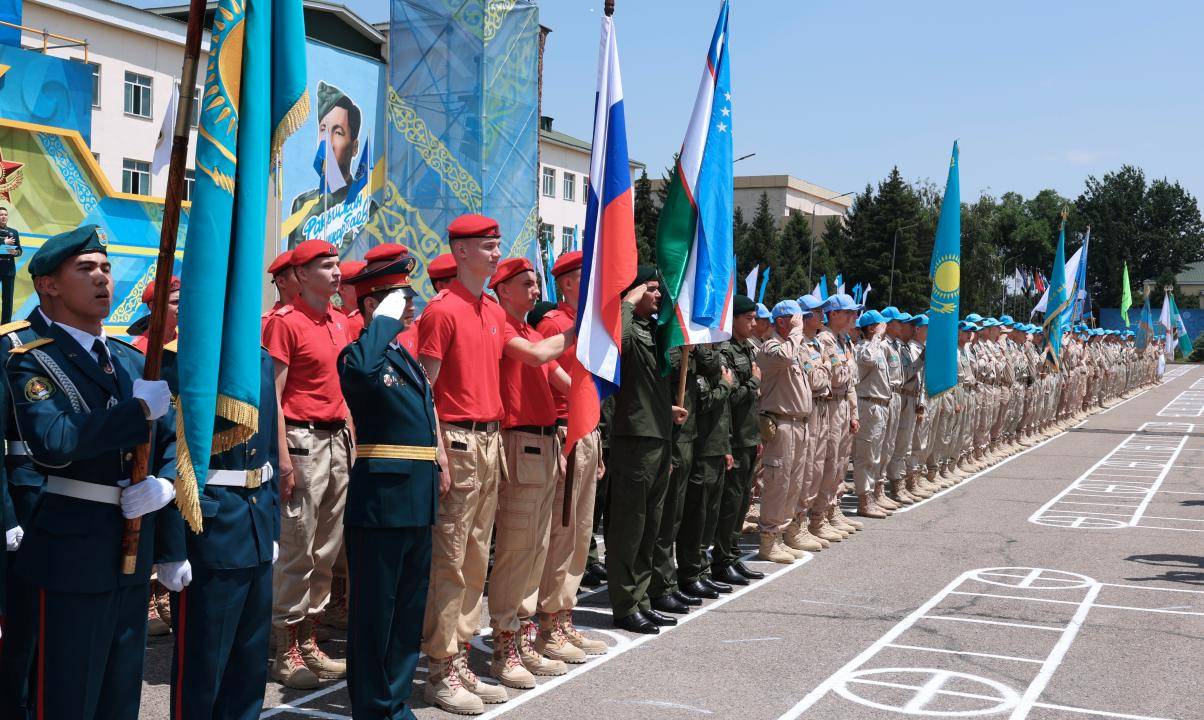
[
  {"x": 175, "y": 576},
  {"x": 13, "y": 538},
  {"x": 275, "y": 551},
  {"x": 155, "y": 394},
  {"x": 393, "y": 305},
  {"x": 145, "y": 497}
]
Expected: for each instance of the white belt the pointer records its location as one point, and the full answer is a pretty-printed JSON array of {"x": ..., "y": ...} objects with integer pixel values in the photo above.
[
  {"x": 80, "y": 490},
  {"x": 240, "y": 478},
  {"x": 17, "y": 447}
]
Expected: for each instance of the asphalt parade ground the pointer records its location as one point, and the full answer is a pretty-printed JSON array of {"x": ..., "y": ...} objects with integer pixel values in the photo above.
[{"x": 1065, "y": 582}]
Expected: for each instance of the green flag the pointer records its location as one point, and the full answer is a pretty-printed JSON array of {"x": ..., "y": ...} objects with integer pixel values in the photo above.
[{"x": 1126, "y": 296}]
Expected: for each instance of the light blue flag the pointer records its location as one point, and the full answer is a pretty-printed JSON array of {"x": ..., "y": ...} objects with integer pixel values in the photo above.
[
  {"x": 764, "y": 284},
  {"x": 1145, "y": 328},
  {"x": 857, "y": 293},
  {"x": 1185, "y": 344},
  {"x": 254, "y": 98},
  {"x": 823, "y": 288},
  {"x": 1080, "y": 280},
  {"x": 1057, "y": 310},
  {"x": 940, "y": 364}
]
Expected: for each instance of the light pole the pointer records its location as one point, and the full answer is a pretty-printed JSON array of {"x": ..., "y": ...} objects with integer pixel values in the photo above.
[
  {"x": 890, "y": 294},
  {"x": 811, "y": 256}
]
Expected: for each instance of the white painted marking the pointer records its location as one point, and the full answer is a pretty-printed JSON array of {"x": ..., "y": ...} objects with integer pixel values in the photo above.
[
  {"x": 1054, "y": 659},
  {"x": 933, "y": 686},
  {"x": 965, "y": 652},
  {"x": 980, "y": 621},
  {"x": 1014, "y": 597},
  {"x": 292, "y": 706},
  {"x": 1101, "y": 713},
  {"x": 1153, "y": 610},
  {"x": 666, "y": 705},
  {"x": 1159, "y": 589},
  {"x": 750, "y": 640}
]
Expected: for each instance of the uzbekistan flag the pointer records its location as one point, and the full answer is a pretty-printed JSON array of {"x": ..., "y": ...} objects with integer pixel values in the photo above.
[
  {"x": 694, "y": 236},
  {"x": 609, "y": 255}
]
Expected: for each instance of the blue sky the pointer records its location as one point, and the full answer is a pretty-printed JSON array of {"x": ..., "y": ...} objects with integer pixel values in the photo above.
[{"x": 1040, "y": 93}]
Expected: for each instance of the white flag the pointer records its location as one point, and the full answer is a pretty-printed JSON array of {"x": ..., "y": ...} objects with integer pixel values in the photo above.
[
  {"x": 1072, "y": 272},
  {"x": 865, "y": 296},
  {"x": 167, "y": 132},
  {"x": 334, "y": 175},
  {"x": 750, "y": 282},
  {"x": 1165, "y": 320}
]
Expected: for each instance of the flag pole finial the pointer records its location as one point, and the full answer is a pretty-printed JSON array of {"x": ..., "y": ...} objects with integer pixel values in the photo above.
[{"x": 610, "y": 8}]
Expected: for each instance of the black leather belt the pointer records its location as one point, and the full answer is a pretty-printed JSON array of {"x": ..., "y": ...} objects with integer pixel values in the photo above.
[
  {"x": 328, "y": 425},
  {"x": 562, "y": 423},
  {"x": 474, "y": 426},
  {"x": 534, "y": 429}
]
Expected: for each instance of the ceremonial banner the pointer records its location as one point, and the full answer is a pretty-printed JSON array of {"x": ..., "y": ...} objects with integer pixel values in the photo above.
[
  {"x": 1059, "y": 302},
  {"x": 255, "y": 97},
  {"x": 609, "y": 255},
  {"x": 10, "y": 12},
  {"x": 1072, "y": 272},
  {"x": 338, "y": 199},
  {"x": 940, "y": 365},
  {"x": 1126, "y": 295},
  {"x": 1185, "y": 345},
  {"x": 694, "y": 235},
  {"x": 1145, "y": 328},
  {"x": 462, "y": 111}
]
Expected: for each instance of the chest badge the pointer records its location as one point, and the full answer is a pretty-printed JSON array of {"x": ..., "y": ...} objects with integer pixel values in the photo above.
[
  {"x": 390, "y": 379},
  {"x": 38, "y": 388}
]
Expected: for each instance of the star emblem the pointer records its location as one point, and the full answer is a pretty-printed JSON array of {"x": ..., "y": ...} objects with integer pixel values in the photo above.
[
  {"x": 722, "y": 127},
  {"x": 726, "y": 111},
  {"x": 10, "y": 177},
  {"x": 727, "y": 96}
]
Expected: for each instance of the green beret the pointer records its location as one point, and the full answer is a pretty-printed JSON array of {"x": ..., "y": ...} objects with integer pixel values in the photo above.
[
  {"x": 742, "y": 304},
  {"x": 643, "y": 274},
  {"x": 52, "y": 254},
  {"x": 330, "y": 97},
  {"x": 543, "y": 307}
]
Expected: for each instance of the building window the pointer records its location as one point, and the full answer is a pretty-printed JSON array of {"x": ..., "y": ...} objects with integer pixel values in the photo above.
[
  {"x": 567, "y": 237},
  {"x": 546, "y": 235},
  {"x": 549, "y": 182},
  {"x": 585, "y": 189},
  {"x": 570, "y": 186},
  {"x": 196, "y": 107},
  {"x": 137, "y": 95},
  {"x": 95, "y": 68},
  {"x": 135, "y": 177},
  {"x": 189, "y": 184}
]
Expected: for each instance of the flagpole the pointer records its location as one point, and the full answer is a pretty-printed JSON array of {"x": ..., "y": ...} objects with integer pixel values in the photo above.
[{"x": 166, "y": 260}]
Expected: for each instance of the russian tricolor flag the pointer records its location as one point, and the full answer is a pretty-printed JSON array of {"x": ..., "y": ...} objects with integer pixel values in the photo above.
[{"x": 608, "y": 248}]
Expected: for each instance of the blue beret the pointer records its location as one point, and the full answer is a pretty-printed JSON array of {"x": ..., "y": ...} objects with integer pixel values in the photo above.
[
  {"x": 786, "y": 307},
  {"x": 872, "y": 317},
  {"x": 763, "y": 312},
  {"x": 56, "y": 250}
]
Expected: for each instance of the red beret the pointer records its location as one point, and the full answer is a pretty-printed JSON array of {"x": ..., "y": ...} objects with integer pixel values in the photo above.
[
  {"x": 508, "y": 268},
  {"x": 312, "y": 250},
  {"x": 149, "y": 293},
  {"x": 442, "y": 267},
  {"x": 566, "y": 263},
  {"x": 386, "y": 251},
  {"x": 351, "y": 268},
  {"x": 282, "y": 261},
  {"x": 473, "y": 226}
]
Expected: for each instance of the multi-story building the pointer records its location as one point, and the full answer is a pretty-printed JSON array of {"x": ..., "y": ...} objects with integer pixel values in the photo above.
[{"x": 564, "y": 187}]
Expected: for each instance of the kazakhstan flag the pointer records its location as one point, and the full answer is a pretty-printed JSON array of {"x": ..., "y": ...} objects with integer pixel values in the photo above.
[
  {"x": 1058, "y": 306},
  {"x": 254, "y": 98},
  {"x": 940, "y": 365}
]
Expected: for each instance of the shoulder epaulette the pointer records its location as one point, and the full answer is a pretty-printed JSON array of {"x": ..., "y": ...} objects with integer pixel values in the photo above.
[
  {"x": 31, "y": 345},
  {"x": 6, "y": 328},
  {"x": 283, "y": 310},
  {"x": 438, "y": 296},
  {"x": 172, "y": 346}
]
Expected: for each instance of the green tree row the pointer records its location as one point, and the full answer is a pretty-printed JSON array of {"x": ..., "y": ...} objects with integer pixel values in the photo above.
[{"x": 1154, "y": 226}]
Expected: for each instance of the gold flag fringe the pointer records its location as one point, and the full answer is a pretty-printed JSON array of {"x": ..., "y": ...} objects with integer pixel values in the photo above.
[
  {"x": 246, "y": 419},
  {"x": 289, "y": 124}
]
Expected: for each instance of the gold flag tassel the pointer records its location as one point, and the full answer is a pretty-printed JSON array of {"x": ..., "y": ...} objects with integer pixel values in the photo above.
[{"x": 246, "y": 421}]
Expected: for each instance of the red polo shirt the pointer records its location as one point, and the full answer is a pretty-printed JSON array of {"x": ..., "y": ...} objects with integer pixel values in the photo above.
[
  {"x": 554, "y": 322},
  {"x": 466, "y": 334},
  {"x": 309, "y": 341},
  {"x": 266, "y": 318},
  {"x": 408, "y": 338},
  {"x": 355, "y": 324},
  {"x": 526, "y": 392}
]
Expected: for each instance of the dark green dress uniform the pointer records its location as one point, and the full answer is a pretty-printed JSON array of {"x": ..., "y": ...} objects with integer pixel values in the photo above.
[
  {"x": 664, "y": 570},
  {"x": 640, "y": 440},
  {"x": 23, "y": 483},
  {"x": 711, "y": 447},
  {"x": 746, "y": 437},
  {"x": 601, "y": 492},
  {"x": 392, "y": 502},
  {"x": 81, "y": 425},
  {"x": 222, "y": 620}
]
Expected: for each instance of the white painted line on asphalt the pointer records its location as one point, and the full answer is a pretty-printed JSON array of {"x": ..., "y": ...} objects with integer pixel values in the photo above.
[
  {"x": 964, "y": 652},
  {"x": 1054, "y": 659},
  {"x": 1153, "y": 610},
  {"x": 1013, "y": 597},
  {"x": 292, "y": 706},
  {"x": 1089, "y": 483},
  {"x": 664, "y": 704},
  {"x": 748, "y": 640},
  {"x": 614, "y": 652},
  {"x": 310, "y": 712},
  {"x": 1159, "y": 589},
  {"x": 991, "y": 622},
  {"x": 1101, "y": 713}
]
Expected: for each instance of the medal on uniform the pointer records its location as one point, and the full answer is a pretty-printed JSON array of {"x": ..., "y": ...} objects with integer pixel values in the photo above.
[
  {"x": 38, "y": 388},
  {"x": 390, "y": 379}
]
